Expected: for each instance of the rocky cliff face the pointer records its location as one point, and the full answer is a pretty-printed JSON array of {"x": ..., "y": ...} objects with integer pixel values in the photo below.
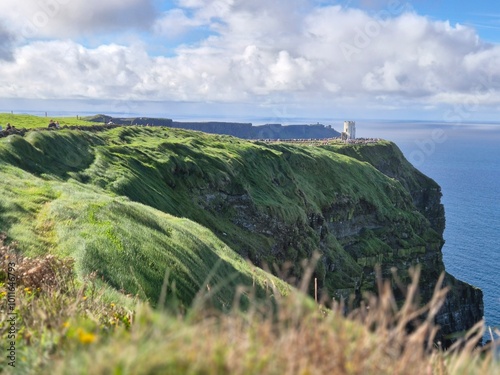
[
  {"x": 354, "y": 232},
  {"x": 464, "y": 304}
]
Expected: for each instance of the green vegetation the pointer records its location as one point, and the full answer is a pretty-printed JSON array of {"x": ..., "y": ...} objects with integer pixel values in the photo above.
[
  {"x": 30, "y": 121},
  {"x": 127, "y": 244},
  {"x": 256, "y": 199},
  {"x": 171, "y": 217},
  {"x": 72, "y": 328},
  {"x": 220, "y": 182}
]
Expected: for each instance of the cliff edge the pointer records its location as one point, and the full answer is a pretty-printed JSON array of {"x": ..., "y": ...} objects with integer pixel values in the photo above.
[
  {"x": 275, "y": 204},
  {"x": 464, "y": 303}
]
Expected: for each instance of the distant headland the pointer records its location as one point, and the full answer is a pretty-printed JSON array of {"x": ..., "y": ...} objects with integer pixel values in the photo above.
[{"x": 237, "y": 129}]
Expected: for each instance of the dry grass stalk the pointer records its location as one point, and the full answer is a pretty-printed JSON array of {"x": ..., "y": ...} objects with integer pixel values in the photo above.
[{"x": 36, "y": 273}]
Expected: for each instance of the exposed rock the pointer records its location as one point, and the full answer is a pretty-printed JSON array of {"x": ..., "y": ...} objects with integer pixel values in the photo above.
[
  {"x": 363, "y": 236},
  {"x": 463, "y": 307},
  {"x": 464, "y": 304}
]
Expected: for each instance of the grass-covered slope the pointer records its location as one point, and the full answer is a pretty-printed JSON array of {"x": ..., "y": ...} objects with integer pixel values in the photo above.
[
  {"x": 388, "y": 159},
  {"x": 72, "y": 192},
  {"x": 131, "y": 247}
]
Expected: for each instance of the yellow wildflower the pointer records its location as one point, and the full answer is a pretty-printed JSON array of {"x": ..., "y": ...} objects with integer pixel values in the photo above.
[{"x": 86, "y": 337}]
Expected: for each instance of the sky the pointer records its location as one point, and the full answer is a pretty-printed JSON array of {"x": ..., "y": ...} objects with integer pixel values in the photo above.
[{"x": 279, "y": 60}]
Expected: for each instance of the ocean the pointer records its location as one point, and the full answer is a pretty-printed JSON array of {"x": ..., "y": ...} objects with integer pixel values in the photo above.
[{"x": 464, "y": 160}]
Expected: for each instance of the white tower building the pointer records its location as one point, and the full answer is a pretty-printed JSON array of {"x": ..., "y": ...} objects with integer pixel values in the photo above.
[{"x": 350, "y": 129}]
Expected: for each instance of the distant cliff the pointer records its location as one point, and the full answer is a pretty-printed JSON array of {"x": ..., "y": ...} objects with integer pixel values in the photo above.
[
  {"x": 236, "y": 129},
  {"x": 358, "y": 205}
]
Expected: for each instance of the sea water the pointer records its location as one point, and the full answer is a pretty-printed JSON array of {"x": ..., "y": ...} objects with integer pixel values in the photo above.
[{"x": 464, "y": 159}]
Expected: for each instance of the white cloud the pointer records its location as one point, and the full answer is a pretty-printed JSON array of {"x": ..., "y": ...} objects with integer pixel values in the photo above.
[
  {"x": 261, "y": 52},
  {"x": 66, "y": 69},
  {"x": 175, "y": 22},
  {"x": 70, "y": 18}
]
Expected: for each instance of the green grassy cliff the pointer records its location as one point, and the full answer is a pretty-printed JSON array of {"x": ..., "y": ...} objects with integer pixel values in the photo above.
[{"x": 136, "y": 203}]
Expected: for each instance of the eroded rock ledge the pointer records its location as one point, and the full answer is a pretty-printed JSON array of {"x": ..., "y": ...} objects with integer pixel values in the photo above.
[{"x": 354, "y": 232}]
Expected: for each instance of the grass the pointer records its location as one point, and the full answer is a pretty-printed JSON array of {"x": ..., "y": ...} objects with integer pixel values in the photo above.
[
  {"x": 32, "y": 122},
  {"x": 127, "y": 244},
  {"x": 69, "y": 327},
  {"x": 257, "y": 199}
]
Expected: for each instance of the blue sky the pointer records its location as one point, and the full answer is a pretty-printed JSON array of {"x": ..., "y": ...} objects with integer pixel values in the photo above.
[
  {"x": 484, "y": 16},
  {"x": 241, "y": 59}
]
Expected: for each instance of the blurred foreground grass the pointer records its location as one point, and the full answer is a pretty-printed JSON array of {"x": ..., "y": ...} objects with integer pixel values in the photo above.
[{"x": 70, "y": 327}]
